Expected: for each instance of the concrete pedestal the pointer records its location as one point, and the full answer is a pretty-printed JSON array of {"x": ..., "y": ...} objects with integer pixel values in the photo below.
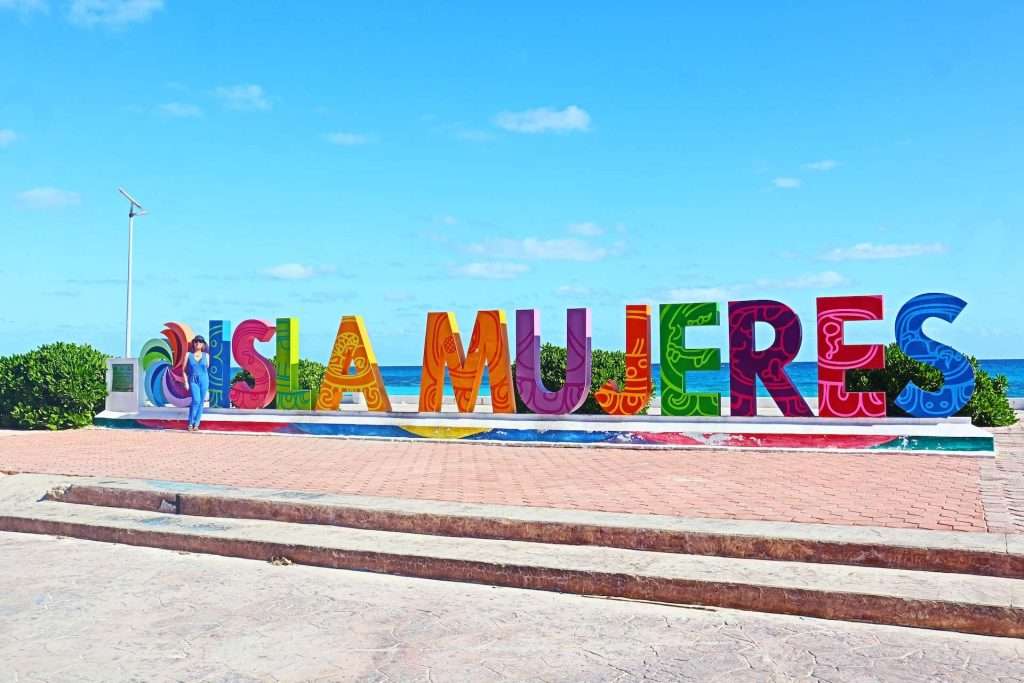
[
  {"x": 123, "y": 391},
  {"x": 948, "y": 435}
]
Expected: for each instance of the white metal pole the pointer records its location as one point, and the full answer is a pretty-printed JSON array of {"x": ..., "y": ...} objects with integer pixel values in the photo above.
[{"x": 128, "y": 303}]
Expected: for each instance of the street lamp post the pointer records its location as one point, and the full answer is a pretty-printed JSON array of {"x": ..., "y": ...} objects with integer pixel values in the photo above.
[{"x": 132, "y": 213}]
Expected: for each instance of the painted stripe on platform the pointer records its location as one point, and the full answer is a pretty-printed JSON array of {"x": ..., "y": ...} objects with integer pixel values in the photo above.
[
  {"x": 752, "y": 440},
  {"x": 445, "y": 432}
]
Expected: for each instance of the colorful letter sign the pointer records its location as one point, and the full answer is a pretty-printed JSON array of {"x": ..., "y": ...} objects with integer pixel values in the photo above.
[
  {"x": 677, "y": 360},
  {"x": 286, "y": 366},
  {"x": 155, "y": 359},
  {"x": 747, "y": 364},
  {"x": 573, "y": 393},
  {"x": 264, "y": 388},
  {"x": 637, "y": 390},
  {"x": 488, "y": 346},
  {"x": 353, "y": 366},
  {"x": 220, "y": 364},
  {"x": 835, "y": 357},
  {"x": 173, "y": 384},
  {"x": 957, "y": 373},
  {"x": 352, "y": 347}
]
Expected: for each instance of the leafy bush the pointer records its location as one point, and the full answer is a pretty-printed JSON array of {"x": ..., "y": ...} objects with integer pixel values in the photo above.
[
  {"x": 988, "y": 406},
  {"x": 311, "y": 375},
  {"x": 605, "y": 365},
  {"x": 57, "y": 386}
]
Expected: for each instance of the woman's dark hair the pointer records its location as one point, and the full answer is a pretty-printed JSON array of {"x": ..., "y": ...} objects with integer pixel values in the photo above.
[{"x": 198, "y": 339}]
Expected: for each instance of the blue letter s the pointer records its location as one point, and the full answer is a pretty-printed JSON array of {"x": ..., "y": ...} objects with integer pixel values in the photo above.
[{"x": 958, "y": 384}]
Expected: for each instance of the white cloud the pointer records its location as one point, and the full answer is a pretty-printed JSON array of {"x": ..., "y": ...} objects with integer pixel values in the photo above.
[
  {"x": 296, "y": 271},
  {"x": 113, "y": 13},
  {"x": 574, "y": 289},
  {"x": 492, "y": 270},
  {"x": 448, "y": 219},
  {"x": 556, "y": 249},
  {"x": 724, "y": 292},
  {"x": 180, "y": 110},
  {"x": 866, "y": 251},
  {"x": 824, "y": 280},
  {"x": 562, "y": 249},
  {"x": 544, "y": 119},
  {"x": 47, "y": 198},
  {"x": 586, "y": 229},
  {"x": 823, "y": 165},
  {"x": 786, "y": 183},
  {"x": 687, "y": 294},
  {"x": 829, "y": 278},
  {"x": 7, "y": 136},
  {"x": 243, "y": 97},
  {"x": 347, "y": 139}
]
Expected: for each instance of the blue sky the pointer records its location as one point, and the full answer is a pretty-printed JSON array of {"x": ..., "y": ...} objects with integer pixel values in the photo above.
[{"x": 396, "y": 158}]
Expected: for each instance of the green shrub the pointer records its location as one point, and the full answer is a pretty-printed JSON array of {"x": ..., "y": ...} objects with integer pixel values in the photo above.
[
  {"x": 311, "y": 375},
  {"x": 605, "y": 365},
  {"x": 988, "y": 406},
  {"x": 57, "y": 386}
]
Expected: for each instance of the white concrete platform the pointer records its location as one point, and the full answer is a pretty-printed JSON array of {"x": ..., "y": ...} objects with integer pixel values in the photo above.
[{"x": 948, "y": 435}]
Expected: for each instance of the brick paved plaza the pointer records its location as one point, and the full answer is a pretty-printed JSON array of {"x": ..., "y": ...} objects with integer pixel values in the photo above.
[{"x": 885, "y": 489}]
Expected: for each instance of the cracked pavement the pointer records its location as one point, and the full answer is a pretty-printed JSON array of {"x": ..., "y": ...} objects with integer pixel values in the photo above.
[{"x": 74, "y": 610}]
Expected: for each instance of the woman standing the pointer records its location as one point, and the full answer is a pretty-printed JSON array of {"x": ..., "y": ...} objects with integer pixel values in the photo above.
[{"x": 197, "y": 374}]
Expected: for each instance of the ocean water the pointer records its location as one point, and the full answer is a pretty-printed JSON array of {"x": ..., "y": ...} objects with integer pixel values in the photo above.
[{"x": 405, "y": 379}]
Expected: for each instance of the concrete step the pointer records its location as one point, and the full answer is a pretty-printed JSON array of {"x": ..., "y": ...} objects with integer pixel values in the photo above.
[
  {"x": 973, "y": 604},
  {"x": 983, "y": 554}
]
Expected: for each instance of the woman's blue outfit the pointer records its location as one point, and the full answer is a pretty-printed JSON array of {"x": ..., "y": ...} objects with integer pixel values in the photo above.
[{"x": 198, "y": 385}]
